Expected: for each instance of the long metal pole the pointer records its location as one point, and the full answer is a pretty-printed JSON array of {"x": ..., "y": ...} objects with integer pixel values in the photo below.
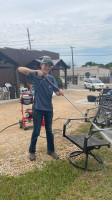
[
  {"x": 72, "y": 64},
  {"x": 44, "y": 77},
  {"x": 101, "y": 130},
  {"x": 29, "y": 38},
  {"x": 74, "y": 105}
]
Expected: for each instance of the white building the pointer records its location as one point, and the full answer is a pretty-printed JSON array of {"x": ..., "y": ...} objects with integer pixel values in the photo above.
[{"x": 81, "y": 73}]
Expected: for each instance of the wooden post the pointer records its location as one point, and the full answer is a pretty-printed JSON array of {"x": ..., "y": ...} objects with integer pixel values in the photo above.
[
  {"x": 65, "y": 78},
  {"x": 17, "y": 82}
]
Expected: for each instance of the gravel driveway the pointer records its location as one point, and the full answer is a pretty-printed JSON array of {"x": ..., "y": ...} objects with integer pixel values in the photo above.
[{"x": 14, "y": 142}]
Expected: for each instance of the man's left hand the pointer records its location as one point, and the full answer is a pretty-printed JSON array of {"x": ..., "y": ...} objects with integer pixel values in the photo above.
[{"x": 61, "y": 92}]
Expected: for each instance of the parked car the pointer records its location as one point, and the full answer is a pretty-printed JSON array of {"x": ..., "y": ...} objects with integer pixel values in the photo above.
[{"x": 94, "y": 84}]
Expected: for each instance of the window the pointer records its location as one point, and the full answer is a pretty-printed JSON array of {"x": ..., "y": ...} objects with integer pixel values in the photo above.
[
  {"x": 69, "y": 79},
  {"x": 81, "y": 78},
  {"x": 93, "y": 76}
]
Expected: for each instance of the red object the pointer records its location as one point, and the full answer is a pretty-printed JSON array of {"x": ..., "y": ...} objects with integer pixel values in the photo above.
[
  {"x": 27, "y": 99},
  {"x": 43, "y": 122}
]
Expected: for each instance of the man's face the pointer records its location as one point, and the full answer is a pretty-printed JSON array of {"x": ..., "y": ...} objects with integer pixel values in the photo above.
[{"x": 46, "y": 68}]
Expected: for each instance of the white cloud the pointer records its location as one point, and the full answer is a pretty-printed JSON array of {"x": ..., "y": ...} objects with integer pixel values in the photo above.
[{"x": 56, "y": 24}]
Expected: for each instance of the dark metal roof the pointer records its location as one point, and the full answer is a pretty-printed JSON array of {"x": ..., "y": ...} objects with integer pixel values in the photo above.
[
  {"x": 58, "y": 64},
  {"x": 23, "y": 56}
]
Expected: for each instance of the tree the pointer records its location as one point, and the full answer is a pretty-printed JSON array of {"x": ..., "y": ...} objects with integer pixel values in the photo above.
[
  {"x": 59, "y": 82},
  {"x": 108, "y": 65},
  {"x": 90, "y": 63}
]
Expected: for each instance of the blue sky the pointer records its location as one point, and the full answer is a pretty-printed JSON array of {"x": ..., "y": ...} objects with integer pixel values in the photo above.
[{"x": 55, "y": 25}]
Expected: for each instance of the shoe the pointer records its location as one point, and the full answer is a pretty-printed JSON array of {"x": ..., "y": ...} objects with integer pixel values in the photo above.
[
  {"x": 32, "y": 157},
  {"x": 54, "y": 155}
]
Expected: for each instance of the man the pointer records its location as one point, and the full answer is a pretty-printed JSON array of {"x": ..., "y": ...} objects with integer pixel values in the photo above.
[{"x": 43, "y": 92}]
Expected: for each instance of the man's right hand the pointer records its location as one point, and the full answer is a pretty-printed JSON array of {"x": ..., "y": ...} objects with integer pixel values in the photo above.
[{"x": 40, "y": 73}]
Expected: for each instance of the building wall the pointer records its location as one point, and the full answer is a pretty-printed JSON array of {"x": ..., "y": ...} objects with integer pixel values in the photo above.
[
  {"x": 110, "y": 74},
  {"x": 55, "y": 73},
  {"x": 80, "y": 73},
  {"x": 7, "y": 76},
  {"x": 22, "y": 56}
]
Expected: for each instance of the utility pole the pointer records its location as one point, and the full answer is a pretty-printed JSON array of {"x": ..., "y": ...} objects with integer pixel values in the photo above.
[
  {"x": 73, "y": 81},
  {"x": 29, "y": 38}
]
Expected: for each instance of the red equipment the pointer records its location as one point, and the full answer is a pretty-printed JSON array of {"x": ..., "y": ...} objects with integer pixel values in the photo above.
[{"x": 27, "y": 99}]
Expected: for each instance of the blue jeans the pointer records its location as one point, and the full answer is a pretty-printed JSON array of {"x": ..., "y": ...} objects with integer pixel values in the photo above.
[{"x": 37, "y": 121}]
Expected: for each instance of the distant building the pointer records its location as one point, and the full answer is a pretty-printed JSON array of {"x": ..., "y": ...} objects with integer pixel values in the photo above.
[
  {"x": 81, "y": 73},
  {"x": 110, "y": 74}
]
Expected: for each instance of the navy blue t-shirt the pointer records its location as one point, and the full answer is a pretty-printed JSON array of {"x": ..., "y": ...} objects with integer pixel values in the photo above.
[{"x": 43, "y": 91}]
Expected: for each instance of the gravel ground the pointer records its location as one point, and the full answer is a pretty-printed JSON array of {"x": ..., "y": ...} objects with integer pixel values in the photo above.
[{"x": 14, "y": 142}]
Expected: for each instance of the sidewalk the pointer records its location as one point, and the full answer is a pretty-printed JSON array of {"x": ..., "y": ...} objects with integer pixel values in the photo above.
[
  {"x": 8, "y": 101},
  {"x": 75, "y": 87}
]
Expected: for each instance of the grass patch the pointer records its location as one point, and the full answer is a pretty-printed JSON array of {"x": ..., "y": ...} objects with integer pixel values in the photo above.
[
  {"x": 44, "y": 184},
  {"x": 59, "y": 180},
  {"x": 85, "y": 128}
]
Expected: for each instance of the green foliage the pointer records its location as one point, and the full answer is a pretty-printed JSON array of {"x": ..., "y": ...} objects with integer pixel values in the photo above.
[
  {"x": 59, "y": 82},
  {"x": 92, "y": 64},
  {"x": 108, "y": 65}
]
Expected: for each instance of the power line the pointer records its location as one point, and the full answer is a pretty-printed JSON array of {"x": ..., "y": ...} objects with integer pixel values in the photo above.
[
  {"x": 89, "y": 55},
  {"x": 14, "y": 41},
  {"x": 14, "y": 44}
]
